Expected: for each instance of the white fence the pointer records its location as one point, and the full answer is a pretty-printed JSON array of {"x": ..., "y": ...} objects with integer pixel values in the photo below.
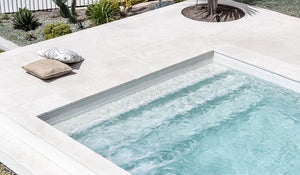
[{"x": 10, "y": 6}]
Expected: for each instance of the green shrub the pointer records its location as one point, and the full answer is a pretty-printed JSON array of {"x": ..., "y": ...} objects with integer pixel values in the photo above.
[
  {"x": 130, "y": 3},
  {"x": 56, "y": 30},
  {"x": 102, "y": 11},
  {"x": 25, "y": 20},
  {"x": 176, "y": 1},
  {"x": 1, "y": 50}
]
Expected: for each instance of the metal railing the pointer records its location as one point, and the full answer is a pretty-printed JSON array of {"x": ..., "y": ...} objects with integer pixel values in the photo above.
[{"x": 10, "y": 6}]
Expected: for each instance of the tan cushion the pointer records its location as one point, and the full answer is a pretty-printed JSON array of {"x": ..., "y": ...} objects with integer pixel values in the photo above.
[{"x": 47, "y": 68}]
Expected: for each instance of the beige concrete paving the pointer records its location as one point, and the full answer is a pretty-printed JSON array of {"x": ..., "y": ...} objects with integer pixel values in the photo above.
[
  {"x": 119, "y": 52},
  {"x": 7, "y": 45}
]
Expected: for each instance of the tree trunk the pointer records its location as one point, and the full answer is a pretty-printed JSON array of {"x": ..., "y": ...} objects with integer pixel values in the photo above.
[{"x": 212, "y": 6}]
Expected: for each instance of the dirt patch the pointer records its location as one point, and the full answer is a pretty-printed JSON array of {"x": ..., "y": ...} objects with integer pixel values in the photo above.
[
  {"x": 224, "y": 13},
  {"x": 54, "y": 14}
]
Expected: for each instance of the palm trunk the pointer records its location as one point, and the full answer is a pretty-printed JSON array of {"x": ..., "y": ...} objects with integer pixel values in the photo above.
[{"x": 212, "y": 6}]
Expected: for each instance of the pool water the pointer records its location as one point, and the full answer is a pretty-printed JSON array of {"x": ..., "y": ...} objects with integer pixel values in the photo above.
[{"x": 210, "y": 121}]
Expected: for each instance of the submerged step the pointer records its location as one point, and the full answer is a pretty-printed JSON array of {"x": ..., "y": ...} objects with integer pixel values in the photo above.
[{"x": 96, "y": 114}]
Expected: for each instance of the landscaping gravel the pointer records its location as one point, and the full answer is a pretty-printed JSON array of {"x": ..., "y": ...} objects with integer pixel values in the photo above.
[
  {"x": 5, "y": 171},
  {"x": 288, "y": 7},
  {"x": 45, "y": 17}
]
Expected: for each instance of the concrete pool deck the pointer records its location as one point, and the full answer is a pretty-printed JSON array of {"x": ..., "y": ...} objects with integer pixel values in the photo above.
[
  {"x": 7, "y": 45},
  {"x": 116, "y": 53}
]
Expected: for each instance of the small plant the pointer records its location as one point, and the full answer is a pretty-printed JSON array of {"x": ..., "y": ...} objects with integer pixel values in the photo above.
[
  {"x": 1, "y": 51},
  {"x": 56, "y": 30},
  {"x": 102, "y": 11},
  {"x": 5, "y": 17},
  {"x": 65, "y": 11},
  {"x": 25, "y": 20},
  {"x": 30, "y": 37}
]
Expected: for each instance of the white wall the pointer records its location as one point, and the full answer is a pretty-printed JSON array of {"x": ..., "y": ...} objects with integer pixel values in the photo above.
[{"x": 9, "y": 6}]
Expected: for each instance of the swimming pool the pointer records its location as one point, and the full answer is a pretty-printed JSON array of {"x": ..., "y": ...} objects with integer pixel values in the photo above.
[{"x": 211, "y": 120}]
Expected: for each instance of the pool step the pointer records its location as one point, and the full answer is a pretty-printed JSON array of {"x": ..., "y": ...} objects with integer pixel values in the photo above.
[
  {"x": 174, "y": 103},
  {"x": 96, "y": 114}
]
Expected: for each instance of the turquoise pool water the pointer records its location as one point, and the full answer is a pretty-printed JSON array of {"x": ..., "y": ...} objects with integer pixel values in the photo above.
[{"x": 221, "y": 122}]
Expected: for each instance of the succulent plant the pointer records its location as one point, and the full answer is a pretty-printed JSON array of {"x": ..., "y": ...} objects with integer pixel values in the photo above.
[
  {"x": 65, "y": 11},
  {"x": 25, "y": 20},
  {"x": 73, "y": 6}
]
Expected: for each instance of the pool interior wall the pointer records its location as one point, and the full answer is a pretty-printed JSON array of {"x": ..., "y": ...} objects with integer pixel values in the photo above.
[
  {"x": 62, "y": 113},
  {"x": 258, "y": 72}
]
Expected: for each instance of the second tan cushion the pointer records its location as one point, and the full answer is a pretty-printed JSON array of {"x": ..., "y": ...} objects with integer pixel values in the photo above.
[{"x": 47, "y": 68}]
